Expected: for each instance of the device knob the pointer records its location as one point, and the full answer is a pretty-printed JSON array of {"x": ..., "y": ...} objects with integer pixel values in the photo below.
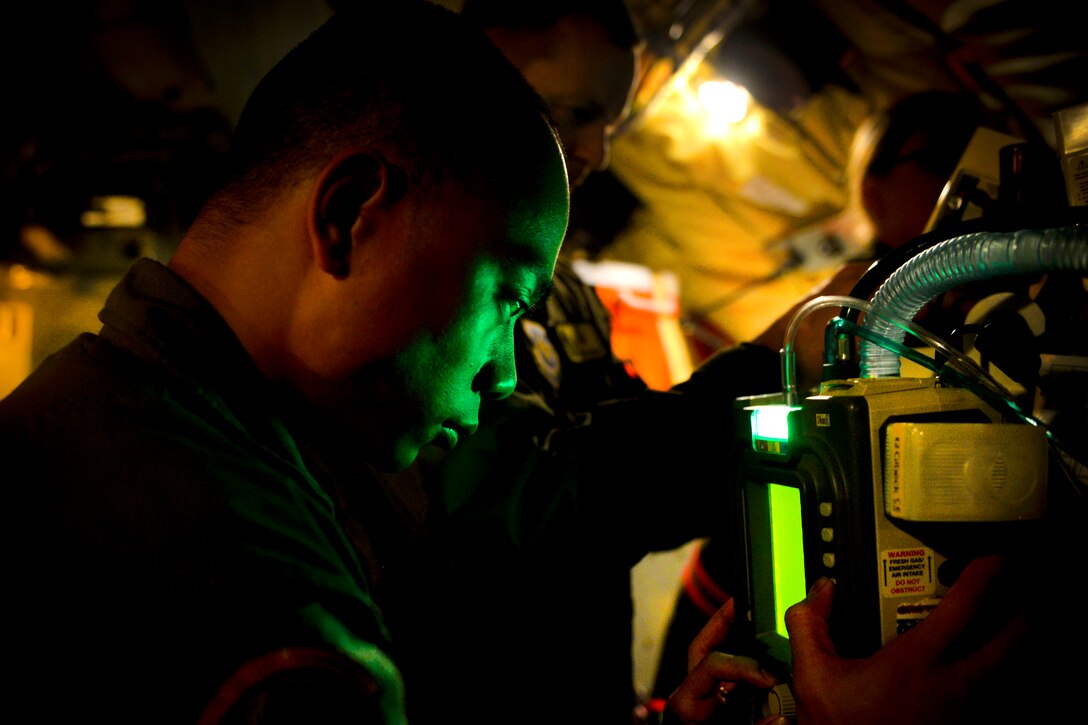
[{"x": 780, "y": 702}]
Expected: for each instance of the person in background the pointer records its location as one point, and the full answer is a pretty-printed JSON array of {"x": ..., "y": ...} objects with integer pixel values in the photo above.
[
  {"x": 903, "y": 156},
  {"x": 582, "y": 57},
  {"x": 901, "y": 159},
  {"x": 353, "y": 282}
]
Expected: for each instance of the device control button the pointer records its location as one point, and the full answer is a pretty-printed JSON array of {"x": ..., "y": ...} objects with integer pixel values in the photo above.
[
  {"x": 827, "y": 533},
  {"x": 780, "y": 701},
  {"x": 825, "y": 509},
  {"x": 829, "y": 560}
]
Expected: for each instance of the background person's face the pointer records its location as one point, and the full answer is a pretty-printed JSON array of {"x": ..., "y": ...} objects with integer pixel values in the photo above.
[{"x": 587, "y": 82}]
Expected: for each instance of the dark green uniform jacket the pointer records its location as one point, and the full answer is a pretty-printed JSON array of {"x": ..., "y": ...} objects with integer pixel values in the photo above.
[{"x": 171, "y": 553}]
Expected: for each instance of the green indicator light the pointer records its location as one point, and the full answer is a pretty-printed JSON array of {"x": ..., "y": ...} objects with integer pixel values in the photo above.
[
  {"x": 787, "y": 551},
  {"x": 770, "y": 427}
]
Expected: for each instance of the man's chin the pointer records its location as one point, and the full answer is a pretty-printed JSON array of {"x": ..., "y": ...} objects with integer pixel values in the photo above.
[{"x": 398, "y": 459}]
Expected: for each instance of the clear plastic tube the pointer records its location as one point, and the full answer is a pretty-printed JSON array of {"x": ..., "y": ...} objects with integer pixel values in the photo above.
[
  {"x": 789, "y": 354},
  {"x": 956, "y": 261},
  {"x": 957, "y": 366}
]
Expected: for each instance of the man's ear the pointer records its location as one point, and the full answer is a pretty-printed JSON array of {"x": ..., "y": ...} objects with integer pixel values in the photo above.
[{"x": 349, "y": 191}]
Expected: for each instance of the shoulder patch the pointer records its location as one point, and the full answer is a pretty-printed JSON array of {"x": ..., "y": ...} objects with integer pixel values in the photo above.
[{"x": 545, "y": 355}]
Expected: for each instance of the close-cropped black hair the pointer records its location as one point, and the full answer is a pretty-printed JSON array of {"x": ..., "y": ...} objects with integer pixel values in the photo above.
[
  {"x": 409, "y": 78},
  {"x": 613, "y": 15}
]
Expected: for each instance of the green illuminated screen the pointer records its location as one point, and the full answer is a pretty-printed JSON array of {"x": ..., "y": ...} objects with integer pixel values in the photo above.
[
  {"x": 788, "y": 552},
  {"x": 776, "y": 559}
]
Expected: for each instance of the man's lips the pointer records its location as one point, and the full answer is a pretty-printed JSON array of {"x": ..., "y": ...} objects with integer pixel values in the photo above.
[{"x": 451, "y": 433}]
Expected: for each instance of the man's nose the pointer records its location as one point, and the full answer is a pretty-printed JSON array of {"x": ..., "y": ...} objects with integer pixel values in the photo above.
[{"x": 498, "y": 378}]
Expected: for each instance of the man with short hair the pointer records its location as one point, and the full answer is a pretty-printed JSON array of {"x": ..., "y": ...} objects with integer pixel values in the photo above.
[{"x": 354, "y": 283}]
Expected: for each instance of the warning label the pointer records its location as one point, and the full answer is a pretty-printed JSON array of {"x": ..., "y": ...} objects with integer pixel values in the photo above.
[
  {"x": 1076, "y": 178},
  {"x": 907, "y": 572}
]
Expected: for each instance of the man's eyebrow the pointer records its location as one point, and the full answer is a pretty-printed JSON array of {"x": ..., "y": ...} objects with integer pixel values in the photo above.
[
  {"x": 541, "y": 289},
  {"x": 521, "y": 258}
]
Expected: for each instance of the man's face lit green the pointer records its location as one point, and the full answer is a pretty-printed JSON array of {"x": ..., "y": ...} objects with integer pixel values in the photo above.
[{"x": 478, "y": 265}]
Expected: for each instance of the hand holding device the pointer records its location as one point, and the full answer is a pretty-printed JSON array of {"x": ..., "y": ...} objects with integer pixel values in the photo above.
[
  {"x": 932, "y": 673},
  {"x": 717, "y": 680}
]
